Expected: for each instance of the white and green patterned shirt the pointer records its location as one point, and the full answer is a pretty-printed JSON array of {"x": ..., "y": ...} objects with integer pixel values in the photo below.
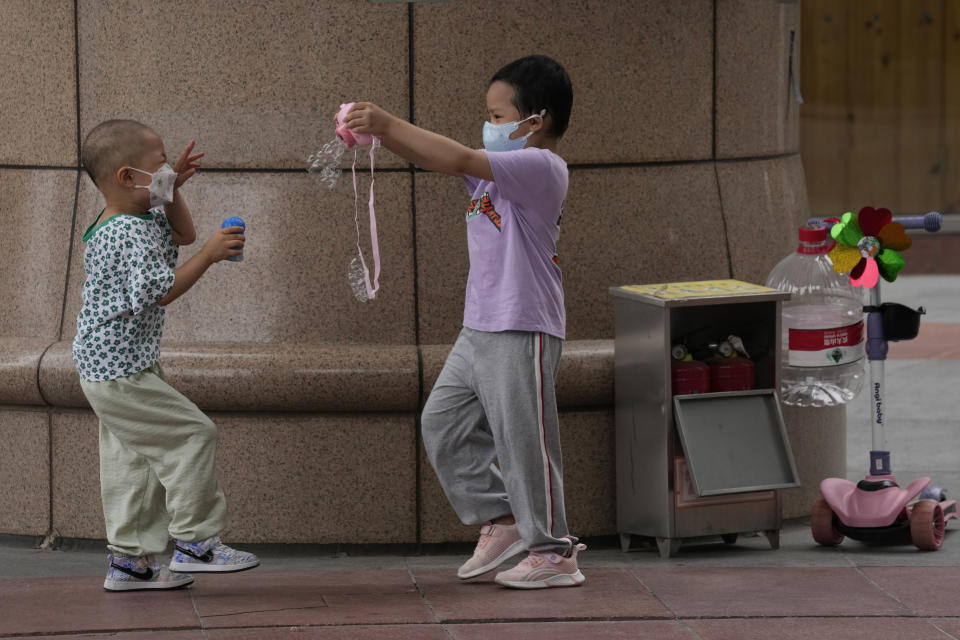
[{"x": 129, "y": 262}]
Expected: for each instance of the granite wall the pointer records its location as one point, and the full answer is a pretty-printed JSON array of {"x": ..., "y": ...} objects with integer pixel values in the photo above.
[{"x": 684, "y": 165}]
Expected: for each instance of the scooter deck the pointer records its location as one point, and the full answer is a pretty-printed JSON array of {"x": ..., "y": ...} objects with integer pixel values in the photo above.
[{"x": 896, "y": 533}]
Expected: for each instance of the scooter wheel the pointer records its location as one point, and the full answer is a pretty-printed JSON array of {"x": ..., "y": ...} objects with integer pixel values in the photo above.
[
  {"x": 927, "y": 525},
  {"x": 823, "y": 525}
]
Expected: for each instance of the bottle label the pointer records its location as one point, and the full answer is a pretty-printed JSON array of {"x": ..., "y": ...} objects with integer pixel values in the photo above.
[{"x": 825, "y": 347}]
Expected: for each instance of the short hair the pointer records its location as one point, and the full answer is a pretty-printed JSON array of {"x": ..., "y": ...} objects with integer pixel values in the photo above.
[
  {"x": 111, "y": 145},
  {"x": 539, "y": 83}
]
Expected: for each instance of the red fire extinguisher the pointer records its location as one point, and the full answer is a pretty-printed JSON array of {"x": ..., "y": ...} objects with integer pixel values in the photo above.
[
  {"x": 730, "y": 367},
  {"x": 686, "y": 374}
]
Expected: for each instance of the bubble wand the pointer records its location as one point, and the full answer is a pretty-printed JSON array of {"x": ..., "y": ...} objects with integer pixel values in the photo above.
[
  {"x": 326, "y": 164},
  {"x": 358, "y": 272}
]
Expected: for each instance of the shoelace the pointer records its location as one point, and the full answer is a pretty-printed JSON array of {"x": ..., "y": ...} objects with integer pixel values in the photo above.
[
  {"x": 486, "y": 534},
  {"x": 533, "y": 560},
  {"x": 149, "y": 560},
  {"x": 228, "y": 552}
]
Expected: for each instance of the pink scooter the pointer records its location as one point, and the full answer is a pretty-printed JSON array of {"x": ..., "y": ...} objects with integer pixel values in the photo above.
[{"x": 876, "y": 510}]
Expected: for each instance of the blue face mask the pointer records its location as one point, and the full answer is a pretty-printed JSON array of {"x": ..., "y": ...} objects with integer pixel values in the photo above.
[{"x": 496, "y": 137}]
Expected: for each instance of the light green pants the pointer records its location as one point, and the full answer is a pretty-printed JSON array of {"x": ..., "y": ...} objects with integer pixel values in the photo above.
[{"x": 157, "y": 475}]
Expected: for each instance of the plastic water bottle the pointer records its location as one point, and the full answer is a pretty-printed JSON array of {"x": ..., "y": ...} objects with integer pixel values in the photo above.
[{"x": 822, "y": 333}]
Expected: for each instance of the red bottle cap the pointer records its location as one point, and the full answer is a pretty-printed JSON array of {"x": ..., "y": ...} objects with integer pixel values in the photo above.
[{"x": 813, "y": 234}]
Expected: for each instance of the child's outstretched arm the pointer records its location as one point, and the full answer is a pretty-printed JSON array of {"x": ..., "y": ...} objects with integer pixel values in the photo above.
[
  {"x": 178, "y": 214},
  {"x": 222, "y": 244},
  {"x": 423, "y": 148}
]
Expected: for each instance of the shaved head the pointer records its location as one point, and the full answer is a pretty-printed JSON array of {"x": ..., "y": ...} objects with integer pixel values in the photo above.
[{"x": 111, "y": 145}]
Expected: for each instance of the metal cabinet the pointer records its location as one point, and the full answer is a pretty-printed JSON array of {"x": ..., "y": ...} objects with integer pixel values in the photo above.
[{"x": 702, "y": 464}]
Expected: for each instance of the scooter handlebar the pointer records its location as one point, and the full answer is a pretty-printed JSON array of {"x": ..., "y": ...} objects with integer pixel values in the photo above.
[{"x": 930, "y": 222}]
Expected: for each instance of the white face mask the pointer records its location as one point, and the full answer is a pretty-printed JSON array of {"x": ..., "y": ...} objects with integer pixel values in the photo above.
[{"x": 162, "y": 182}]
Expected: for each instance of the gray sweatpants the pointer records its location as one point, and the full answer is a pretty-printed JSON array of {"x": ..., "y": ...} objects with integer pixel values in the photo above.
[{"x": 491, "y": 431}]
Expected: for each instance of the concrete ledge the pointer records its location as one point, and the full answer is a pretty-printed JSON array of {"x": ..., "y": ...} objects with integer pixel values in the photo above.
[
  {"x": 818, "y": 438},
  {"x": 283, "y": 377},
  {"x": 25, "y": 471},
  {"x": 19, "y": 362},
  {"x": 289, "y": 477},
  {"x": 318, "y": 443},
  {"x": 266, "y": 377}
]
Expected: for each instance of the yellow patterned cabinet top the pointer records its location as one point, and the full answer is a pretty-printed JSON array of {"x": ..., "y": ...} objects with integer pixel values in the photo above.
[{"x": 699, "y": 289}]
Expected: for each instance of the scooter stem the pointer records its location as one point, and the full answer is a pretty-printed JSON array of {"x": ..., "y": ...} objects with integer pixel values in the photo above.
[
  {"x": 877, "y": 346},
  {"x": 877, "y": 354}
]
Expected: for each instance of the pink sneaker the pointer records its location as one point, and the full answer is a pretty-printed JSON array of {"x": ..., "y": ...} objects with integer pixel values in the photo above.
[
  {"x": 497, "y": 543},
  {"x": 542, "y": 570}
]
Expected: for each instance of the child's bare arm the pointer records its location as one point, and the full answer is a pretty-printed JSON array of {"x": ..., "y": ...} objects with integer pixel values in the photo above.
[
  {"x": 181, "y": 222},
  {"x": 178, "y": 214},
  {"x": 222, "y": 244},
  {"x": 423, "y": 148}
]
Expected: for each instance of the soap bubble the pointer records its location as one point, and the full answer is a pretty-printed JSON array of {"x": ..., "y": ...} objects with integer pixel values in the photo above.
[
  {"x": 357, "y": 282},
  {"x": 325, "y": 163}
]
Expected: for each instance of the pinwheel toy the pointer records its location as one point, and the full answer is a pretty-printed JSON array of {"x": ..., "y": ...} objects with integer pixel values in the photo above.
[{"x": 869, "y": 246}]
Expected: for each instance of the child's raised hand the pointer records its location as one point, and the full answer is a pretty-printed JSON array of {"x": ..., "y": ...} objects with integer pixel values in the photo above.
[
  {"x": 186, "y": 165},
  {"x": 366, "y": 117},
  {"x": 224, "y": 243}
]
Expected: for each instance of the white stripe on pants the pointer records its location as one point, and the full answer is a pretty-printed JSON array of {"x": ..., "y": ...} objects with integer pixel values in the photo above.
[{"x": 491, "y": 432}]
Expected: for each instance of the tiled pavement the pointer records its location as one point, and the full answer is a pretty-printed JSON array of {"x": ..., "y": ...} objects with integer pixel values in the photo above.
[
  {"x": 709, "y": 591},
  {"x": 632, "y": 600}
]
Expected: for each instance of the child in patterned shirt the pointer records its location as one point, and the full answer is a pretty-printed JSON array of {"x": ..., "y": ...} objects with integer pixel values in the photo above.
[{"x": 157, "y": 476}]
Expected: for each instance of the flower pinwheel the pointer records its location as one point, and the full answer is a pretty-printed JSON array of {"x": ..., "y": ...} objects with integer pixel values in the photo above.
[{"x": 867, "y": 246}]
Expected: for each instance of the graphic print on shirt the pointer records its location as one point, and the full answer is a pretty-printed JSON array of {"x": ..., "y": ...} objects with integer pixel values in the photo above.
[{"x": 485, "y": 206}]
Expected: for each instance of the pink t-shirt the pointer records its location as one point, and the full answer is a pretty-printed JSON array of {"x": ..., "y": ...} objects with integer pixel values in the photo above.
[{"x": 513, "y": 225}]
